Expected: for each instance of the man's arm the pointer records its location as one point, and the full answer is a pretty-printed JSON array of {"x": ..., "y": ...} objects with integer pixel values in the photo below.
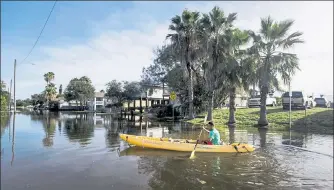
[{"x": 206, "y": 129}]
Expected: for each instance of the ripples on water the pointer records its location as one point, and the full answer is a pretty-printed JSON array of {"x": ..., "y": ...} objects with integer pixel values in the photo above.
[{"x": 72, "y": 151}]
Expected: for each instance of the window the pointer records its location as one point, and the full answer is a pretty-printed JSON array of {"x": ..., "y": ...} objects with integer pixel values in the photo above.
[
  {"x": 295, "y": 94},
  {"x": 99, "y": 99}
]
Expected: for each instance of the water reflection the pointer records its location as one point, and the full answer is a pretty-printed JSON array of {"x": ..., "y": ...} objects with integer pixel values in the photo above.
[
  {"x": 263, "y": 136},
  {"x": 4, "y": 122},
  {"x": 13, "y": 141},
  {"x": 231, "y": 134},
  {"x": 79, "y": 129},
  {"x": 42, "y": 151}
]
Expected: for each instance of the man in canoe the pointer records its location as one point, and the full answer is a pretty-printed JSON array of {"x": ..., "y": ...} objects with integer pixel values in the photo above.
[{"x": 214, "y": 136}]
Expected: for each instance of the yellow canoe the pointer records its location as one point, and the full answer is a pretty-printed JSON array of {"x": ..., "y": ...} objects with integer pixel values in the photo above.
[{"x": 183, "y": 145}]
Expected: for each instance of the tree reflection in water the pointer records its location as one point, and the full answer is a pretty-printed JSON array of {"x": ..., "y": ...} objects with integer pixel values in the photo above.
[
  {"x": 113, "y": 126},
  {"x": 4, "y": 122},
  {"x": 79, "y": 129},
  {"x": 48, "y": 120}
]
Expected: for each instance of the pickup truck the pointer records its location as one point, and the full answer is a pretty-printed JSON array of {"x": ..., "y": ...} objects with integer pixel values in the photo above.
[
  {"x": 255, "y": 102},
  {"x": 298, "y": 100}
]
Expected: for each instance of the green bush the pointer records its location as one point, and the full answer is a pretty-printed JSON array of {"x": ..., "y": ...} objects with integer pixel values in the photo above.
[
  {"x": 3, "y": 103},
  {"x": 278, "y": 101}
]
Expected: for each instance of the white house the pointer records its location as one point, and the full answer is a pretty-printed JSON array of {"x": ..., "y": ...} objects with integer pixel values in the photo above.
[
  {"x": 155, "y": 94},
  {"x": 97, "y": 103},
  {"x": 157, "y": 131},
  {"x": 63, "y": 105},
  {"x": 241, "y": 100}
]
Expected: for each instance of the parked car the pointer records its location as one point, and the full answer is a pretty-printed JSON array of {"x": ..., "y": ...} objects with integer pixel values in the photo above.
[
  {"x": 255, "y": 102},
  {"x": 322, "y": 102},
  {"x": 298, "y": 100}
]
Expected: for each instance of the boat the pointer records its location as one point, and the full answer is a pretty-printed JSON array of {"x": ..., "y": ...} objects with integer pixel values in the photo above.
[{"x": 183, "y": 145}]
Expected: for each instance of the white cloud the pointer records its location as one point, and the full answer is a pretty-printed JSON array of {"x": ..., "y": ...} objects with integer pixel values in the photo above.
[
  {"x": 313, "y": 18},
  {"x": 120, "y": 54},
  {"x": 110, "y": 55}
]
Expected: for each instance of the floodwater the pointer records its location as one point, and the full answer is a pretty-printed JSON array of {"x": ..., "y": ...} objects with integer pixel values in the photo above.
[{"x": 84, "y": 152}]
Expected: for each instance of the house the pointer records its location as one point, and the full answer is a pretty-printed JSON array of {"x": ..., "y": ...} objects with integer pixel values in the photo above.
[
  {"x": 157, "y": 132},
  {"x": 241, "y": 100},
  {"x": 63, "y": 105},
  {"x": 98, "y": 102},
  {"x": 155, "y": 94}
]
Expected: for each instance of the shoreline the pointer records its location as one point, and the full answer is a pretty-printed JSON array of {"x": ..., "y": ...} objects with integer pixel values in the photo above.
[{"x": 316, "y": 120}]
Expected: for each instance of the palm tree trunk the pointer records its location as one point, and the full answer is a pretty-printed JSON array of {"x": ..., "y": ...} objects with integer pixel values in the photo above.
[
  {"x": 210, "y": 108},
  {"x": 263, "y": 111},
  {"x": 163, "y": 93},
  {"x": 232, "y": 109},
  {"x": 190, "y": 93},
  {"x": 47, "y": 97}
]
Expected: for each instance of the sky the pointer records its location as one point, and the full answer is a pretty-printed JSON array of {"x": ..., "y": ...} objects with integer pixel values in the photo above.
[{"x": 115, "y": 40}]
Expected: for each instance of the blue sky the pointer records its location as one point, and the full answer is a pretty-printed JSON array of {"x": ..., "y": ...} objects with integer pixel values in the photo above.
[{"x": 114, "y": 40}]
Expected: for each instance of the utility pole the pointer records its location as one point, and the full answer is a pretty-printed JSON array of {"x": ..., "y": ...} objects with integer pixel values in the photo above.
[
  {"x": 10, "y": 96},
  {"x": 290, "y": 94},
  {"x": 14, "y": 86}
]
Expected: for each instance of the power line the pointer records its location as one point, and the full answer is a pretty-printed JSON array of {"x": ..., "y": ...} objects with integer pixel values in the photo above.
[{"x": 40, "y": 32}]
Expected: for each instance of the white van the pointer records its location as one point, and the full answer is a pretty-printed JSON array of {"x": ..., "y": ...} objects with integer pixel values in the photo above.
[{"x": 255, "y": 102}]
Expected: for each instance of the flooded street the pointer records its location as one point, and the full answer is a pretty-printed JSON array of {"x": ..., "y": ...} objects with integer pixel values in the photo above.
[{"x": 72, "y": 151}]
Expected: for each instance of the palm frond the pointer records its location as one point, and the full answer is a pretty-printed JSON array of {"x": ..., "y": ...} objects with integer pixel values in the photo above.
[
  {"x": 266, "y": 24},
  {"x": 283, "y": 28},
  {"x": 176, "y": 20},
  {"x": 231, "y": 17}
]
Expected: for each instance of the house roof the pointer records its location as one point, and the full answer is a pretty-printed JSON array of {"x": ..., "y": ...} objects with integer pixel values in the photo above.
[
  {"x": 99, "y": 94},
  {"x": 155, "y": 85}
]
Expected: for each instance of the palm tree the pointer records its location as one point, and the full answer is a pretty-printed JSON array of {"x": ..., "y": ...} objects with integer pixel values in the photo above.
[
  {"x": 49, "y": 89},
  {"x": 48, "y": 77},
  {"x": 240, "y": 70},
  {"x": 184, "y": 41},
  {"x": 268, "y": 48},
  {"x": 215, "y": 33}
]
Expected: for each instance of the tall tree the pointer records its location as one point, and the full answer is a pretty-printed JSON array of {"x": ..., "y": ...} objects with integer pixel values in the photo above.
[
  {"x": 50, "y": 88},
  {"x": 156, "y": 73},
  {"x": 184, "y": 41},
  {"x": 48, "y": 77},
  {"x": 132, "y": 90},
  {"x": 269, "y": 49},
  {"x": 38, "y": 99},
  {"x": 50, "y": 92},
  {"x": 60, "y": 90},
  {"x": 123, "y": 91},
  {"x": 5, "y": 97},
  {"x": 240, "y": 69},
  {"x": 114, "y": 91},
  {"x": 215, "y": 33},
  {"x": 80, "y": 90}
]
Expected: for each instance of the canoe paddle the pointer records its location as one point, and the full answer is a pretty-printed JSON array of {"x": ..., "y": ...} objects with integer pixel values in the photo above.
[{"x": 193, "y": 152}]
